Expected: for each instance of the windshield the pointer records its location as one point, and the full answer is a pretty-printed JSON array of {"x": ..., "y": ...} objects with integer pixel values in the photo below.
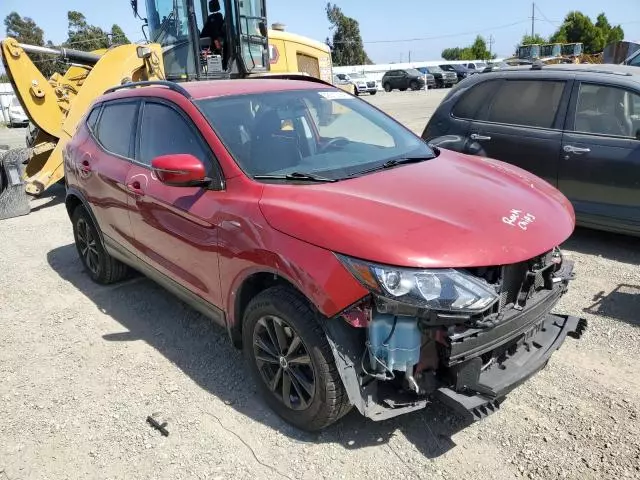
[
  {"x": 481, "y": 65},
  {"x": 414, "y": 72},
  {"x": 169, "y": 26},
  {"x": 321, "y": 132},
  {"x": 435, "y": 70},
  {"x": 356, "y": 76},
  {"x": 15, "y": 103}
]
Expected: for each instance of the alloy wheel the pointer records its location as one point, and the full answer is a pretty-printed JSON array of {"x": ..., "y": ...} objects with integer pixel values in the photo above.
[
  {"x": 284, "y": 362},
  {"x": 87, "y": 246}
]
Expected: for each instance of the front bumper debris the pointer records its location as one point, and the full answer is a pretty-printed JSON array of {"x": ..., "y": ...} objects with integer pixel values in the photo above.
[{"x": 483, "y": 395}]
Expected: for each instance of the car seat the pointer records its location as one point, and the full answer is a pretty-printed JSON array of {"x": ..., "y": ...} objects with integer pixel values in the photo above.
[{"x": 272, "y": 149}]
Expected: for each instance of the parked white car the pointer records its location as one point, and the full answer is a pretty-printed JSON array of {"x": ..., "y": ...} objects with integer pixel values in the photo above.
[{"x": 16, "y": 114}]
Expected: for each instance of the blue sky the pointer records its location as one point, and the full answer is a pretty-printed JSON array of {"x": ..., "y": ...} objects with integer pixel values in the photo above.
[{"x": 434, "y": 25}]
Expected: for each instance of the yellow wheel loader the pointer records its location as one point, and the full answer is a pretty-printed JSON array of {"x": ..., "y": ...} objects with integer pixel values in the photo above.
[{"x": 189, "y": 40}]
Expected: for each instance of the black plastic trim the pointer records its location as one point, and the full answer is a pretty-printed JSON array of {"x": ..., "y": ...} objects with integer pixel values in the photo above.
[{"x": 155, "y": 83}]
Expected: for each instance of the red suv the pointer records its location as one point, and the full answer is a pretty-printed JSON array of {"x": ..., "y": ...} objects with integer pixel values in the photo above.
[{"x": 354, "y": 264}]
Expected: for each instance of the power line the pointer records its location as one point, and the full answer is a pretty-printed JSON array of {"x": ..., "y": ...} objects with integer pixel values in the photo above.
[
  {"x": 451, "y": 35},
  {"x": 544, "y": 17}
]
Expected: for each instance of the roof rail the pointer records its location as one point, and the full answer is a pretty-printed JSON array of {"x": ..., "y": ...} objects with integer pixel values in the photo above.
[
  {"x": 158, "y": 83},
  {"x": 594, "y": 69}
]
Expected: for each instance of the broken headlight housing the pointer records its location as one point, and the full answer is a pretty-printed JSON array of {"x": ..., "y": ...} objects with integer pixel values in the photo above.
[{"x": 443, "y": 289}]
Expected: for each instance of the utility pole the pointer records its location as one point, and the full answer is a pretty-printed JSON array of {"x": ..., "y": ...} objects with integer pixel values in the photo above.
[
  {"x": 490, "y": 42},
  {"x": 409, "y": 56},
  {"x": 533, "y": 19}
]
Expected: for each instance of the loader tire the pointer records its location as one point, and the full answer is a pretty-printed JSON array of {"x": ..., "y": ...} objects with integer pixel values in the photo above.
[
  {"x": 14, "y": 201},
  {"x": 101, "y": 267}
]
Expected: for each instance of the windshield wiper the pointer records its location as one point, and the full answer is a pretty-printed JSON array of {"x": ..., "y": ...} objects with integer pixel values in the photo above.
[
  {"x": 394, "y": 162},
  {"x": 306, "y": 177}
]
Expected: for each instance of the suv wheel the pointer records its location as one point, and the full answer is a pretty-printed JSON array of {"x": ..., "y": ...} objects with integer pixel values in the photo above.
[
  {"x": 387, "y": 87},
  {"x": 291, "y": 360},
  {"x": 403, "y": 89},
  {"x": 413, "y": 85},
  {"x": 101, "y": 266}
]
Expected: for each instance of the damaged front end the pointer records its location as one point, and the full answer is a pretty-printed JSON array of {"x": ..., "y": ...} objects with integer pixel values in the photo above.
[{"x": 465, "y": 337}]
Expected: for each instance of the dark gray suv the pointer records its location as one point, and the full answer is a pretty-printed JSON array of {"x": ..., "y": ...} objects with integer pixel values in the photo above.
[{"x": 576, "y": 126}]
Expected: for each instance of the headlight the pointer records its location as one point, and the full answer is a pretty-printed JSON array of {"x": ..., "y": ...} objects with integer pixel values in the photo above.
[{"x": 437, "y": 289}]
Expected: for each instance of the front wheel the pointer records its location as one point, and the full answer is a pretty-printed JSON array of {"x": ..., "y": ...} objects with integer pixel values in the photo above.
[
  {"x": 387, "y": 87},
  {"x": 291, "y": 360},
  {"x": 373, "y": 92},
  {"x": 413, "y": 85}
]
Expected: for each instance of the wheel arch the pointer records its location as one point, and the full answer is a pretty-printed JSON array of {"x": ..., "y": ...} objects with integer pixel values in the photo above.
[
  {"x": 74, "y": 199},
  {"x": 246, "y": 288}
]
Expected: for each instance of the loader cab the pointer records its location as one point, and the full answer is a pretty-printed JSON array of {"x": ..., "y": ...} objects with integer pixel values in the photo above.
[{"x": 184, "y": 29}]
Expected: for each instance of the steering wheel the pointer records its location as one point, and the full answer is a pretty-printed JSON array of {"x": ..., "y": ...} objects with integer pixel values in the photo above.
[{"x": 333, "y": 143}]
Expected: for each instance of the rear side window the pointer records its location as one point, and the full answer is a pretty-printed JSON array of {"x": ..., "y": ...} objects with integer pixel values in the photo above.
[
  {"x": 469, "y": 104},
  {"x": 165, "y": 132},
  {"x": 635, "y": 61},
  {"x": 531, "y": 103},
  {"x": 116, "y": 127},
  {"x": 93, "y": 118}
]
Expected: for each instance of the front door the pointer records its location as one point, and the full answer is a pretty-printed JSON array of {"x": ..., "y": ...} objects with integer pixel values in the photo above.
[
  {"x": 600, "y": 166},
  {"x": 174, "y": 227},
  {"x": 523, "y": 126}
]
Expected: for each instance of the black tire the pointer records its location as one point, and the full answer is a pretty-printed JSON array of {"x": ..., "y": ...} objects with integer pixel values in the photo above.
[
  {"x": 404, "y": 89},
  {"x": 274, "y": 317},
  {"x": 373, "y": 92},
  {"x": 101, "y": 267},
  {"x": 387, "y": 87},
  {"x": 413, "y": 85},
  {"x": 356, "y": 93}
]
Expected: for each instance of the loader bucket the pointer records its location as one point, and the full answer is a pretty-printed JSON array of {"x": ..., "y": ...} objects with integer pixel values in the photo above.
[{"x": 14, "y": 201}]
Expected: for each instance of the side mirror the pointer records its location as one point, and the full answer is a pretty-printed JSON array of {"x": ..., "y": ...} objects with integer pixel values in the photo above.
[
  {"x": 180, "y": 170},
  {"x": 263, "y": 29}
]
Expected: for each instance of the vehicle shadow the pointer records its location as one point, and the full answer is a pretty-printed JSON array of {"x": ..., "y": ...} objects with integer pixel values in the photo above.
[
  {"x": 54, "y": 195},
  {"x": 204, "y": 352},
  {"x": 621, "y": 248},
  {"x": 623, "y": 303}
]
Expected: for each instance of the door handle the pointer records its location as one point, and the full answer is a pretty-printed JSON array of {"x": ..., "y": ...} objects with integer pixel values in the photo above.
[
  {"x": 577, "y": 150},
  {"x": 135, "y": 187},
  {"x": 475, "y": 136}
]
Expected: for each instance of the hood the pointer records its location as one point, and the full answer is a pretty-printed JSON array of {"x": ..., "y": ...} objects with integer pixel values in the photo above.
[{"x": 452, "y": 211}]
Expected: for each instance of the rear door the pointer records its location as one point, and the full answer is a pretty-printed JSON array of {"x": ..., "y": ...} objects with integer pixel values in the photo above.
[
  {"x": 523, "y": 125},
  {"x": 104, "y": 164},
  {"x": 600, "y": 166},
  {"x": 174, "y": 227}
]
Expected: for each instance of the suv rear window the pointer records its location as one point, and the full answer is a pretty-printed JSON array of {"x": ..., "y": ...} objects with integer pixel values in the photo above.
[
  {"x": 469, "y": 105},
  {"x": 532, "y": 103},
  {"x": 116, "y": 127}
]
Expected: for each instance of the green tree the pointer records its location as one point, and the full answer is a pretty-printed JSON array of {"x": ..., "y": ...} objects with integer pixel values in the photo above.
[
  {"x": 346, "y": 46},
  {"x": 118, "y": 36},
  {"x": 477, "y": 51},
  {"x": 83, "y": 36},
  {"x": 451, "y": 53},
  {"x": 578, "y": 27},
  {"x": 536, "y": 39},
  {"x": 4, "y": 78},
  {"x": 25, "y": 30}
]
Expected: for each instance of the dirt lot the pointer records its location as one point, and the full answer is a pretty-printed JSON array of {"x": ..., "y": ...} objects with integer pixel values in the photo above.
[{"x": 81, "y": 367}]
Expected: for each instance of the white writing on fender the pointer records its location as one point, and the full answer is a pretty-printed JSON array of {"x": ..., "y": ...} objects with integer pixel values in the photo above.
[{"x": 517, "y": 218}]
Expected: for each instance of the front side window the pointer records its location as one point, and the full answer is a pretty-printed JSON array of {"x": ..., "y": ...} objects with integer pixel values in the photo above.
[
  {"x": 323, "y": 132},
  {"x": 635, "y": 61},
  {"x": 165, "y": 132},
  {"x": 532, "y": 103},
  {"x": 606, "y": 110},
  {"x": 116, "y": 126}
]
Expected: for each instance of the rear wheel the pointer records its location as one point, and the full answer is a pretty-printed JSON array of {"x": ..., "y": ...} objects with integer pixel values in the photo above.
[
  {"x": 101, "y": 267},
  {"x": 291, "y": 360}
]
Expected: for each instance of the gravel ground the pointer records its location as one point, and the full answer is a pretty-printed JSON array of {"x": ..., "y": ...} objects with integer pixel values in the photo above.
[{"x": 82, "y": 366}]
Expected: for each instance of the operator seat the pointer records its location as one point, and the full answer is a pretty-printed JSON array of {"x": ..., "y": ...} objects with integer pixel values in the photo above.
[{"x": 214, "y": 25}]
